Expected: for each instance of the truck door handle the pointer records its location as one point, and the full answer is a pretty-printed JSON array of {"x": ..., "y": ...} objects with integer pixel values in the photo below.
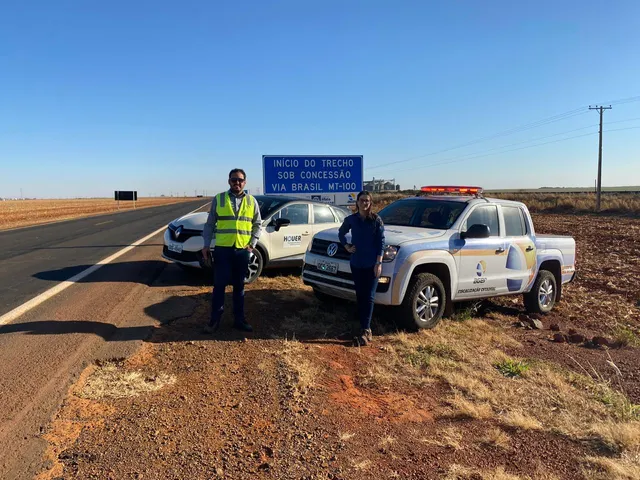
[
  {"x": 500, "y": 250},
  {"x": 529, "y": 248},
  {"x": 305, "y": 234}
]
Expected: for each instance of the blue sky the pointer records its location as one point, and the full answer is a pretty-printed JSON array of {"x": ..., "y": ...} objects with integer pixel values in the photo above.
[{"x": 165, "y": 97}]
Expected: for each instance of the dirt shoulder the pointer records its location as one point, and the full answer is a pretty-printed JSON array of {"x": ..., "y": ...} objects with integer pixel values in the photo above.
[
  {"x": 479, "y": 397},
  {"x": 24, "y": 213}
]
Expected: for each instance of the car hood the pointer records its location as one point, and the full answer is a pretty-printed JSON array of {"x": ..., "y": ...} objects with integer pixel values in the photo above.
[
  {"x": 393, "y": 234},
  {"x": 191, "y": 221}
]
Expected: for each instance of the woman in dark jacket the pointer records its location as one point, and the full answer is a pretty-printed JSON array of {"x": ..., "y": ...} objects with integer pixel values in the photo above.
[{"x": 366, "y": 249}]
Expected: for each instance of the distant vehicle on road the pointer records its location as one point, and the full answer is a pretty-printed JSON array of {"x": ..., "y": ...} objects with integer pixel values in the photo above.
[
  {"x": 288, "y": 225},
  {"x": 447, "y": 248}
]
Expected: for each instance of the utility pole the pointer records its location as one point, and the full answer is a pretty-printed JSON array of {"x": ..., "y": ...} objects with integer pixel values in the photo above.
[{"x": 601, "y": 109}]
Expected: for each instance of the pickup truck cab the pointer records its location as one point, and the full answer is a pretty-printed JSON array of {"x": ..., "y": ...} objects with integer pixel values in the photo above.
[{"x": 442, "y": 249}]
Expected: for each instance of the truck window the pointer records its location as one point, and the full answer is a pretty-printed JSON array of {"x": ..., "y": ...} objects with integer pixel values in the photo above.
[
  {"x": 322, "y": 214},
  {"x": 484, "y": 215},
  {"x": 425, "y": 213},
  {"x": 514, "y": 222}
]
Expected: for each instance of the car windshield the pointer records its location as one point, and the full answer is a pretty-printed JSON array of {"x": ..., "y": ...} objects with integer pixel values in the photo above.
[
  {"x": 268, "y": 205},
  {"x": 439, "y": 214}
]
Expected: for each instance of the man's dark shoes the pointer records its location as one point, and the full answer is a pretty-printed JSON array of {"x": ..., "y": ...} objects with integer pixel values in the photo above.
[
  {"x": 211, "y": 328},
  {"x": 243, "y": 326}
]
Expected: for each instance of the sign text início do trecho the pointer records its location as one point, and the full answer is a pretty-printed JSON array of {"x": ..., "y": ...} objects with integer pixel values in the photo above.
[{"x": 312, "y": 174}]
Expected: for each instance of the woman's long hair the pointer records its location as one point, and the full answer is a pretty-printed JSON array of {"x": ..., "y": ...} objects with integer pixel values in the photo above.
[{"x": 370, "y": 215}]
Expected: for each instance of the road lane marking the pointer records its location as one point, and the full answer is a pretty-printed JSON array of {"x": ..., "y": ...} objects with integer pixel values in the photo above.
[
  {"x": 44, "y": 296},
  {"x": 102, "y": 223}
]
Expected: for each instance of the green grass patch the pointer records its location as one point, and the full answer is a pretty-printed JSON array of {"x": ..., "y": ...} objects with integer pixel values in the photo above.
[
  {"x": 513, "y": 368},
  {"x": 626, "y": 336},
  {"x": 419, "y": 358}
]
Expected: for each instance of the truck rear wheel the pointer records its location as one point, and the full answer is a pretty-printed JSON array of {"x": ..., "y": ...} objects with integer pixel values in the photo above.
[
  {"x": 425, "y": 301},
  {"x": 542, "y": 296}
]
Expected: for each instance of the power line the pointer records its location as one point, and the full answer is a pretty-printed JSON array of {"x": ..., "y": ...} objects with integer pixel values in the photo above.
[
  {"x": 461, "y": 159},
  {"x": 536, "y": 124},
  {"x": 529, "y": 126}
]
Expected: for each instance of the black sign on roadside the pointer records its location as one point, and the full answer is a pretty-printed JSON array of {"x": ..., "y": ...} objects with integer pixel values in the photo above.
[{"x": 126, "y": 195}]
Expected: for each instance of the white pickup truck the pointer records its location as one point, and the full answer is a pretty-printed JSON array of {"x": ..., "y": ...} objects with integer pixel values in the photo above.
[{"x": 442, "y": 249}]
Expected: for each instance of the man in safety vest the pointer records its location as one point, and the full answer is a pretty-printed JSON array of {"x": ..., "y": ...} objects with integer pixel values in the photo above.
[{"x": 234, "y": 221}]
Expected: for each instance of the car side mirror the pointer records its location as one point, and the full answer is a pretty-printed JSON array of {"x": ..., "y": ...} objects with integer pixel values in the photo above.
[
  {"x": 281, "y": 222},
  {"x": 477, "y": 230}
]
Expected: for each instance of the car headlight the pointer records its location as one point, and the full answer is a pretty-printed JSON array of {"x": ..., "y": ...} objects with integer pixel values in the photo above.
[{"x": 390, "y": 253}]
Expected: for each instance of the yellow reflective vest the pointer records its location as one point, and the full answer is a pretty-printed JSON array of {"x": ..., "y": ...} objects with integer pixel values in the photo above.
[{"x": 232, "y": 230}]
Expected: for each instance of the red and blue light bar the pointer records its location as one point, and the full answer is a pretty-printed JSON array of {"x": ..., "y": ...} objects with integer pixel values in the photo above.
[{"x": 452, "y": 189}]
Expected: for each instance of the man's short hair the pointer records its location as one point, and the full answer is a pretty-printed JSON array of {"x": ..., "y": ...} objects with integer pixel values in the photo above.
[{"x": 237, "y": 170}]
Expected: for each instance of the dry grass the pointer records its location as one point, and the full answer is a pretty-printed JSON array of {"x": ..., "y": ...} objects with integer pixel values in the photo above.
[
  {"x": 619, "y": 437},
  {"x": 344, "y": 436},
  {"x": 113, "y": 381},
  {"x": 304, "y": 373},
  {"x": 22, "y": 213},
  {"x": 625, "y": 203},
  {"x": 464, "y": 408},
  {"x": 464, "y": 355},
  {"x": 627, "y": 467},
  {"x": 387, "y": 441},
  {"x": 611, "y": 202},
  {"x": 517, "y": 419},
  {"x": 459, "y": 472},
  {"x": 496, "y": 437},
  {"x": 362, "y": 465},
  {"x": 450, "y": 437}
]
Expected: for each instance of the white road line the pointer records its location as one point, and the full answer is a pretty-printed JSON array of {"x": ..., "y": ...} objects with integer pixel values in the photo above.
[
  {"x": 102, "y": 223},
  {"x": 44, "y": 296}
]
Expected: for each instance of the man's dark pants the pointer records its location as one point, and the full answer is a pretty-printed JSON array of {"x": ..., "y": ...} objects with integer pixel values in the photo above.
[
  {"x": 230, "y": 266},
  {"x": 366, "y": 284}
]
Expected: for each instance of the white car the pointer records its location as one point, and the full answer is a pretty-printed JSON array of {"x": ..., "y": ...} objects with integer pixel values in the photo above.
[{"x": 288, "y": 224}]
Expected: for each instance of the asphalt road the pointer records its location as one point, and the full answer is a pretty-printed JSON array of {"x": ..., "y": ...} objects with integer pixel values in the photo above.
[
  {"x": 36, "y": 258},
  {"x": 103, "y": 316}
]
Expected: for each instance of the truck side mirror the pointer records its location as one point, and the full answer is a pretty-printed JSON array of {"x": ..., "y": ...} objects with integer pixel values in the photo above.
[{"x": 477, "y": 230}]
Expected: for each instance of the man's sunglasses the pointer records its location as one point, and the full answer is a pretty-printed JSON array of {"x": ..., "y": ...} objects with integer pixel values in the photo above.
[{"x": 236, "y": 180}]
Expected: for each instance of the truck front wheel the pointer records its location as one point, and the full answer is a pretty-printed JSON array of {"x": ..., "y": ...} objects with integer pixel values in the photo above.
[
  {"x": 542, "y": 296},
  {"x": 424, "y": 302}
]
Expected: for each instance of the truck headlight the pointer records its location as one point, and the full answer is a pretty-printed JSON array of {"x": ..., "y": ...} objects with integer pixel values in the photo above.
[{"x": 390, "y": 253}]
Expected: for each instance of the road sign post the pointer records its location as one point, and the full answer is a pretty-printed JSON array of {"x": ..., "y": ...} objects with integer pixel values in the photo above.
[
  {"x": 124, "y": 195},
  {"x": 334, "y": 179}
]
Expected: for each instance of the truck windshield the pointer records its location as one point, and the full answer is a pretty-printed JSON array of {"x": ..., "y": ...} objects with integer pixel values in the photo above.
[{"x": 425, "y": 213}]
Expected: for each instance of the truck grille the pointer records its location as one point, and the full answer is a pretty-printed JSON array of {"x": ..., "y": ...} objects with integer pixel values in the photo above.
[
  {"x": 311, "y": 275},
  {"x": 319, "y": 247}
]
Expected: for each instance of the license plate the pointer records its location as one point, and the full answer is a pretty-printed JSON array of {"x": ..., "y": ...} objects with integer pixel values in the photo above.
[
  {"x": 175, "y": 247},
  {"x": 327, "y": 267}
]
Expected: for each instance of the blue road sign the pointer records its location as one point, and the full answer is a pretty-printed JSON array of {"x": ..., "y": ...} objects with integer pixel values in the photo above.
[{"x": 312, "y": 174}]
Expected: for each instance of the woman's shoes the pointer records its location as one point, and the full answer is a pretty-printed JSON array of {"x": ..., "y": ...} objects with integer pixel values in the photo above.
[{"x": 364, "y": 339}]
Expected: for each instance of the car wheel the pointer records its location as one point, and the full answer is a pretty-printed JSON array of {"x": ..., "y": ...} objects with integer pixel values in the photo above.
[
  {"x": 425, "y": 301},
  {"x": 542, "y": 296},
  {"x": 254, "y": 269}
]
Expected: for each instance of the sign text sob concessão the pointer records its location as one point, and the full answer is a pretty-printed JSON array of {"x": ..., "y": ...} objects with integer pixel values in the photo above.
[{"x": 312, "y": 174}]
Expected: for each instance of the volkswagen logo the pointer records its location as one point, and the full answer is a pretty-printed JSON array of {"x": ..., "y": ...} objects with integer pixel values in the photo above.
[
  {"x": 178, "y": 232},
  {"x": 332, "y": 249}
]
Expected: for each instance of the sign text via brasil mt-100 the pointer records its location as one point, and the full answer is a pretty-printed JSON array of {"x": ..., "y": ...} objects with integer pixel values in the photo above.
[{"x": 330, "y": 177}]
